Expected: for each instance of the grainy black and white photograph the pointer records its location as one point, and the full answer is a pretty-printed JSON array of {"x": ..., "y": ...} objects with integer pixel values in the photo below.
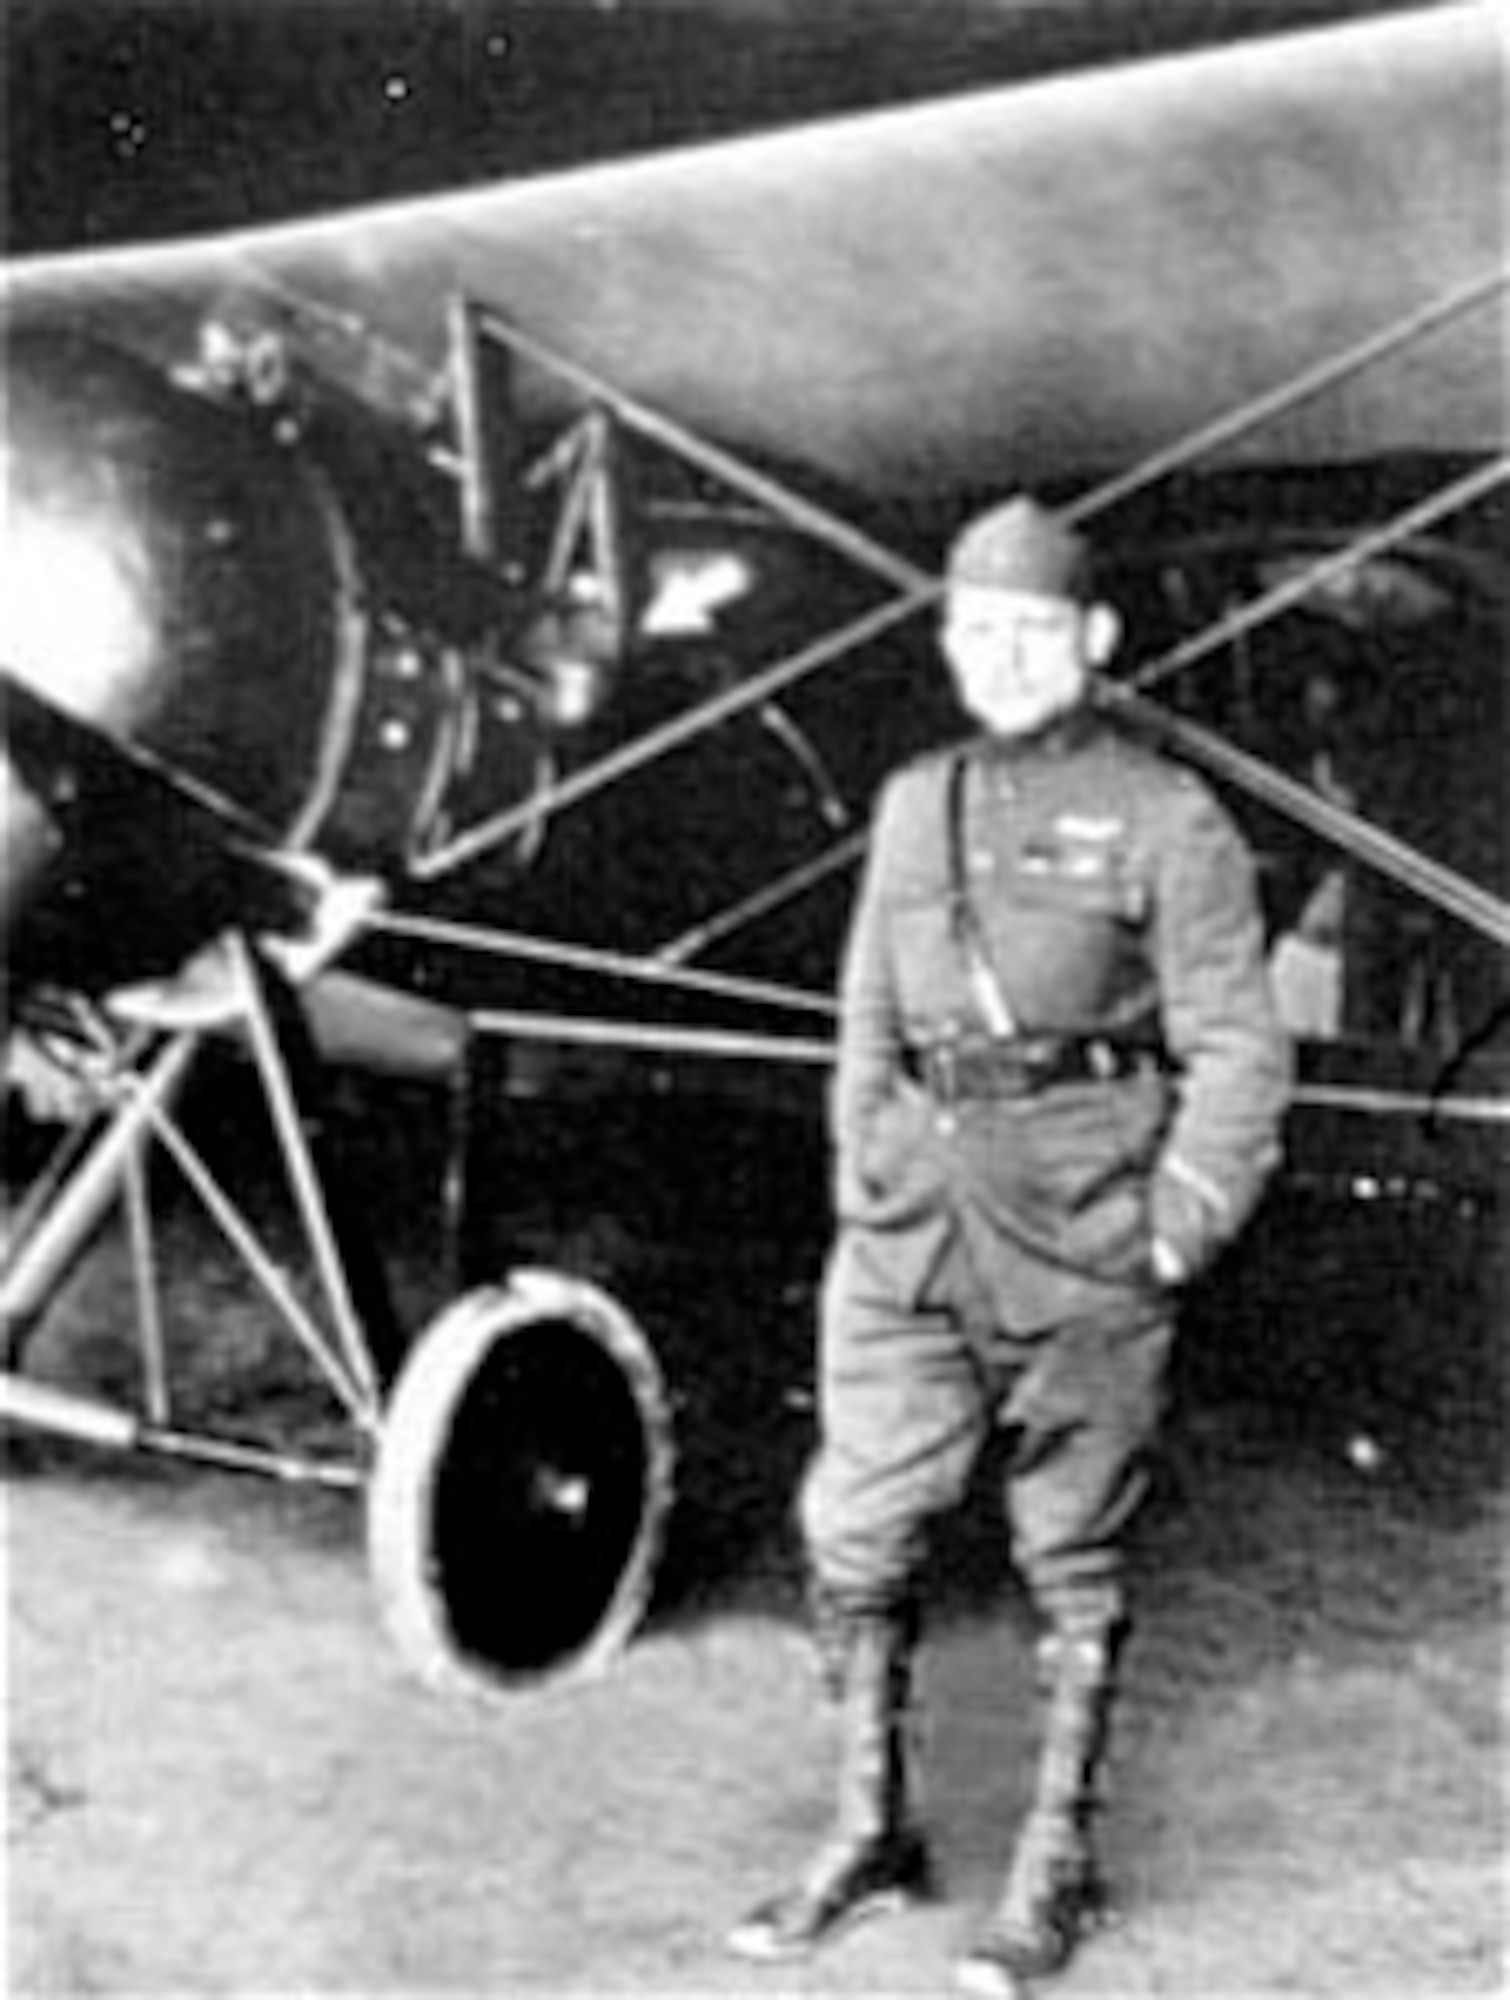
[{"x": 755, "y": 953}]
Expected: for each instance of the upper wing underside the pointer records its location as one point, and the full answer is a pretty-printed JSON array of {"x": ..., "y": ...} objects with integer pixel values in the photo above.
[{"x": 1024, "y": 284}]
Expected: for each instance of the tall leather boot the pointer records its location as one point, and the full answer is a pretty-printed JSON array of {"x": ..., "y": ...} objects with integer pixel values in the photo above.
[
  {"x": 1053, "y": 1892},
  {"x": 874, "y": 1859}
]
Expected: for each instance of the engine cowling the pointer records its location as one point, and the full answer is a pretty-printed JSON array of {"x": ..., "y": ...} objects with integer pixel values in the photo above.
[
  {"x": 175, "y": 578},
  {"x": 184, "y": 578}
]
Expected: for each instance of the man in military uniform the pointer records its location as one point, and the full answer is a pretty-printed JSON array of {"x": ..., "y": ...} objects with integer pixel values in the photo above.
[{"x": 1059, "y": 1088}]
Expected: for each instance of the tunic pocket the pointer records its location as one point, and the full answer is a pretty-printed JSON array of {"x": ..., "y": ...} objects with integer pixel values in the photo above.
[
  {"x": 926, "y": 969},
  {"x": 1067, "y": 949}
]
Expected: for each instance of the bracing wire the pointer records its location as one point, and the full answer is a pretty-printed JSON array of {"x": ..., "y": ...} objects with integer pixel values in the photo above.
[
  {"x": 660, "y": 970},
  {"x": 917, "y": 588}
]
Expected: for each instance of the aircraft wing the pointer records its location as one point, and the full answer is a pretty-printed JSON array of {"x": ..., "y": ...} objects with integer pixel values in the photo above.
[
  {"x": 1011, "y": 286},
  {"x": 248, "y": 642},
  {"x": 1037, "y": 285}
]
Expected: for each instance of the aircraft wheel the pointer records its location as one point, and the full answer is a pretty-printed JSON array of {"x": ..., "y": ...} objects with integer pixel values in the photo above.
[{"x": 522, "y": 1481}]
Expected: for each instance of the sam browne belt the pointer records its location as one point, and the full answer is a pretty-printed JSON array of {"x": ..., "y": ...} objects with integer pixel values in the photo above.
[{"x": 951, "y": 1071}]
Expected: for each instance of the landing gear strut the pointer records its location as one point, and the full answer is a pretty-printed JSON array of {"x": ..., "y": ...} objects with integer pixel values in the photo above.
[{"x": 516, "y": 1460}]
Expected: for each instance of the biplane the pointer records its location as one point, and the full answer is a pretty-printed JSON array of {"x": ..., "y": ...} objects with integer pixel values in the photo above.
[{"x": 459, "y": 638}]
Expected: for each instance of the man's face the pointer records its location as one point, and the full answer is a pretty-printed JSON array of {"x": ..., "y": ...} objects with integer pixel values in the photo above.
[{"x": 1019, "y": 660}]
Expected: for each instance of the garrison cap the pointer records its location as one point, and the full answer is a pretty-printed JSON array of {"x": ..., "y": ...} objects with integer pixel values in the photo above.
[{"x": 1021, "y": 545}]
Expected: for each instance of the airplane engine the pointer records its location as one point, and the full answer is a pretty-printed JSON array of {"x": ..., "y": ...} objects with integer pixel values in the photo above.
[
  {"x": 180, "y": 587},
  {"x": 197, "y": 641}
]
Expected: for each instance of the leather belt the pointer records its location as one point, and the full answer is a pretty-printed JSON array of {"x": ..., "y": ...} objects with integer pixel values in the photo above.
[{"x": 1023, "y": 1066}]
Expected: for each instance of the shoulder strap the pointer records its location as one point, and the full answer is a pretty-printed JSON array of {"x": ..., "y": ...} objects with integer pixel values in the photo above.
[{"x": 964, "y": 919}]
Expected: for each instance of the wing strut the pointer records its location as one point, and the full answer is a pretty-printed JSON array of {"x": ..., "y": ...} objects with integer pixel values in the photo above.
[
  {"x": 1397, "y": 860},
  {"x": 916, "y": 589}
]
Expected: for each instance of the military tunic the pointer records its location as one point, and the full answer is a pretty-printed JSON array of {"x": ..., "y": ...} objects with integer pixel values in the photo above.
[{"x": 993, "y": 1257}]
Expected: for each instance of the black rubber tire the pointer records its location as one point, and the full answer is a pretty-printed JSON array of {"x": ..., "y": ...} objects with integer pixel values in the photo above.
[{"x": 523, "y": 1476}]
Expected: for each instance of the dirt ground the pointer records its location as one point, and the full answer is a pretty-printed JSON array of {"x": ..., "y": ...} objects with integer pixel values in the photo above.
[{"x": 222, "y": 1780}]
